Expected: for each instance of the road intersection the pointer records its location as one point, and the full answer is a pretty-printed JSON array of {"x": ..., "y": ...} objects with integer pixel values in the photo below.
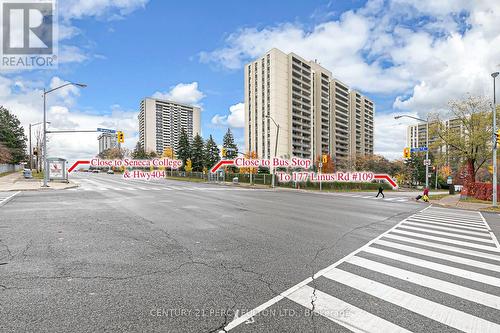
[{"x": 175, "y": 256}]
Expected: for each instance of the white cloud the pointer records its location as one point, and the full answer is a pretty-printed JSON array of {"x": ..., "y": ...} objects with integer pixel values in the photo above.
[
  {"x": 235, "y": 118},
  {"x": 107, "y": 9},
  {"x": 420, "y": 53},
  {"x": 27, "y": 105},
  {"x": 187, "y": 93}
]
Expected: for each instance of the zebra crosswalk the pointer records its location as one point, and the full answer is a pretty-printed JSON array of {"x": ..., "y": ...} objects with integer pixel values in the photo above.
[
  {"x": 440, "y": 266},
  {"x": 373, "y": 197},
  {"x": 129, "y": 186}
]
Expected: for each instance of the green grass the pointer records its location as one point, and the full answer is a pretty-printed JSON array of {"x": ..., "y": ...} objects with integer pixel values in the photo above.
[
  {"x": 37, "y": 175},
  {"x": 187, "y": 179},
  {"x": 473, "y": 200},
  {"x": 438, "y": 196}
]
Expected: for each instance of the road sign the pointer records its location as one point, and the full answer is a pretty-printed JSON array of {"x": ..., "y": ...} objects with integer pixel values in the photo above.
[
  {"x": 449, "y": 180},
  {"x": 419, "y": 149},
  {"x": 427, "y": 162},
  {"x": 106, "y": 130},
  {"x": 320, "y": 165}
]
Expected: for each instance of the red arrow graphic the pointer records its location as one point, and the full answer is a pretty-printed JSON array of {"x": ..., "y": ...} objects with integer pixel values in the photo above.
[
  {"x": 77, "y": 163},
  {"x": 388, "y": 178},
  {"x": 221, "y": 163}
]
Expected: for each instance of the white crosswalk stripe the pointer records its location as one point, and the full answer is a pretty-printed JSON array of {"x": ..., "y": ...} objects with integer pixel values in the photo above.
[
  {"x": 6, "y": 196},
  {"x": 373, "y": 197},
  {"x": 455, "y": 255},
  {"x": 124, "y": 186}
]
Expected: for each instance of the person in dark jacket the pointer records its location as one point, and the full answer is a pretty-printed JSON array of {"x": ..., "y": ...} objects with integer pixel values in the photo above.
[{"x": 380, "y": 191}]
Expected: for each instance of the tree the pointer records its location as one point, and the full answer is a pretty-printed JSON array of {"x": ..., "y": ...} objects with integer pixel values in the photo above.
[
  {"x": 211, "y": 153},
  {"x": 139, "y": 153},
  {"x": 472, "y": 144},
  {"x": 5, "y": 156},
  {"x": 228, "y": 143},
  {"x": 197, "y": 153},
  {"x": 12, "y": 135},
  {"x": 113, "y": 153},
  {"x": 183, "y": 148}
]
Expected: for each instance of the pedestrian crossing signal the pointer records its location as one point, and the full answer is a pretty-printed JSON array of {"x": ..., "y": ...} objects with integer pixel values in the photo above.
[
  {"x": 406, "y": 153},
  {"x": 121, "y": 137}
]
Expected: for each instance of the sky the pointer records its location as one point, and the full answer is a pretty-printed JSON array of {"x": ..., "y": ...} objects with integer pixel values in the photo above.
[{"x": 408, "y": 56}]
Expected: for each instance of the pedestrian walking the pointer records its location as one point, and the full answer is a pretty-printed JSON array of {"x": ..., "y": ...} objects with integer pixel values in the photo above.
[
  {"x": 424, "y": 196},
  {"x": 380, "y": 191}
]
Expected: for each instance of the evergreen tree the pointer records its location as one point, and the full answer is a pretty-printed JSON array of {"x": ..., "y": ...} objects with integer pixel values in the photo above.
[
  {"x": 228, "y": 143},
  {"x": 139, "y": 153},
  {"x": 12, "y": 135},
  {"x": 197, "y": 153},
  {"x": 211, "y": 153},
  {"x": 183, "y": 148}
]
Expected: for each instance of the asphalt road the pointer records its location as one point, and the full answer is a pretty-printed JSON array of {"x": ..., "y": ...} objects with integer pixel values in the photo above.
[{"x": 170, "y": 256}]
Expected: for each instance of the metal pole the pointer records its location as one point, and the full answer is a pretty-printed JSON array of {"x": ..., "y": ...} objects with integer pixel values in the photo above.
[
  {"x": 46, "y": 169},
  {"x": 320, "y": 187},
  {"x": 427, "y": 155},
  {"x": 31, "y": 152},
  {"x": 494, "y": 180},
  {"x": 436, "y": 185},
  {"x": 275, "y": 153}
]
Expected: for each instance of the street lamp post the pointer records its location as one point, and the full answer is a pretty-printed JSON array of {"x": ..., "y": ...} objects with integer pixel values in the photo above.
[
  {"x": 45, "y": 92},
  {"x": 275, "y": 146},
  {"x": 427, "y": 144},
  {"x": 494, "y": 180},
  {"x": 31, "y": 149}
]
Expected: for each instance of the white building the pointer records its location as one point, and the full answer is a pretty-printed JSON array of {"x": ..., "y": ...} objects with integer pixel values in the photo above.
[
  {"x": 161, "y": 122},
  {"x": 107, "y": 141}
]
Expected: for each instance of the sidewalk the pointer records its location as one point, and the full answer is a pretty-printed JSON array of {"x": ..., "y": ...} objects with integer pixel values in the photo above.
[
  {"x": 454, "y": 201},
  {"x": 16, "y": 182}
]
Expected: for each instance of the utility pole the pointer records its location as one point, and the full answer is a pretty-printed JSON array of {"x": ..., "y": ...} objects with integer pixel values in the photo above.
[
  {"x": 275, "y": 148},
  {"x": 494, "y": 180},
  {"x": 427, "y": 154},
  {"x": 31, "y": 152},
  {"x": 45, "y": 92}
]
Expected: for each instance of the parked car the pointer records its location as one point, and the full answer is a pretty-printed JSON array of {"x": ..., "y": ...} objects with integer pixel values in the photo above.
[{"x": 110, "y": 172}]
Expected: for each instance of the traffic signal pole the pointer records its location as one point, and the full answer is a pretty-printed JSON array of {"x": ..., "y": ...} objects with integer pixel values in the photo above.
[{"x": 494, "y": 180}]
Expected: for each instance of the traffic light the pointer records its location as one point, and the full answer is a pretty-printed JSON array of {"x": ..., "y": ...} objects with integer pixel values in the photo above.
[
  {"x": 224, "y": 152},
  {"x": 121, "y": 137},
  {"x": 406, "y": 153},
  {"x": 497, "y": 136},
  {"x": 324, "y": 159}
]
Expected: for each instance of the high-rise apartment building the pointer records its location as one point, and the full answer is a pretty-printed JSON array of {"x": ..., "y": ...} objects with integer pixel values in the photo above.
[
  {"x": 312, "y": 108},
  {"x": 107, "y": 141},
  {"x": 416, "y": 136},
  {"x": 161, "y": 123}
]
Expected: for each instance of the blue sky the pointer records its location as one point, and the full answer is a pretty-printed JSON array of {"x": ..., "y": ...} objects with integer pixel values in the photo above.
[{"x": 409, "y": 56}]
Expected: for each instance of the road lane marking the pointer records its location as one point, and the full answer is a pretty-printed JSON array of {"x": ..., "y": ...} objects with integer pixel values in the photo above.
[
  {"x": 449, "y": 241},
  {"x": 449, "y": 234},
  {"x": 451, "y": 225},
  {"x": 444, "y": 247},
  {"x": 439, "y": 255},
  {"x": 491, "y": 232},
  {"x": 7, "y": 196},
  {"x": 453, "y": 289},
  {"x": 436, "y": 311},
  {"x": 356, "y": 320},
  {"x": 491, "y": 280},
  {"x": 447, "y": 228},
  {"x": 292, "y": 289}
]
